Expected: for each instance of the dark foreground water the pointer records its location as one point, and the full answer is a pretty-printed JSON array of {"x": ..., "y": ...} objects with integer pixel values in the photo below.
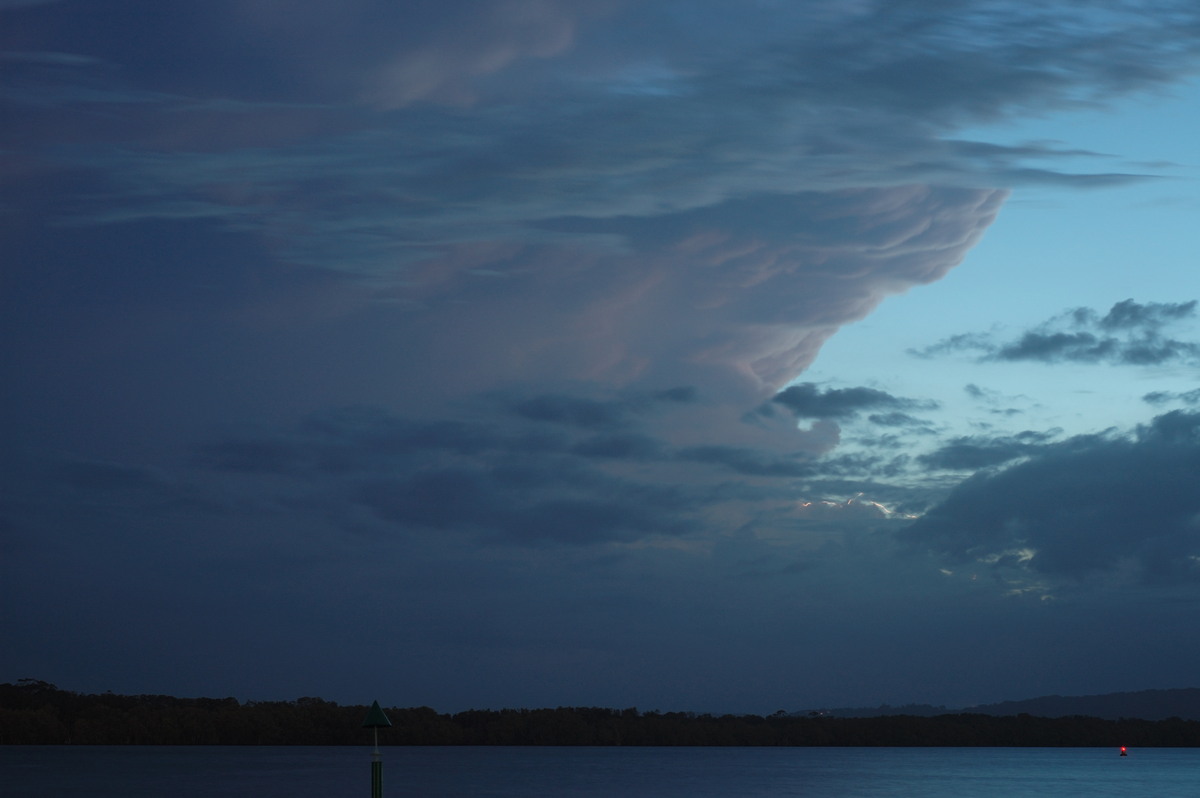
[{"x": 302, "y": 772}]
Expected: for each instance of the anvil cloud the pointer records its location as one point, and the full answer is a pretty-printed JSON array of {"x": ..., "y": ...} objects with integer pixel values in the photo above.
[{"x": 457, "y": 352}]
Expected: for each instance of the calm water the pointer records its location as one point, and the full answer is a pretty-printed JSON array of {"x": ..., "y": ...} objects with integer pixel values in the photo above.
[{"x": 270, "y": 772}]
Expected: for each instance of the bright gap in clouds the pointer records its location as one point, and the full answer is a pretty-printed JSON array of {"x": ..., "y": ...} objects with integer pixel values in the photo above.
[{"x": 1052, "y": 250}]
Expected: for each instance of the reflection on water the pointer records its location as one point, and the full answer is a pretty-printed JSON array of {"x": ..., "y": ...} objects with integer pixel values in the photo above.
[{"x": 457, "y": 772}]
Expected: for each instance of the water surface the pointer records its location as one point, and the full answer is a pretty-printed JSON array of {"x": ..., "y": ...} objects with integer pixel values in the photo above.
[{"x": 502, "y": 772}]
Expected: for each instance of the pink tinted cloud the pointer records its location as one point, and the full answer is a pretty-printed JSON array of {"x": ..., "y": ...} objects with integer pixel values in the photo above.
[
  {"x": 392, "y": 55},
  {"x": 444, "y": 70},
  {"x": 737, "y": 313}
]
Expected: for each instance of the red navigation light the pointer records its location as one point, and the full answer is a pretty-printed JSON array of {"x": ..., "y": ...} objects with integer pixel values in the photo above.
[{"x": 1123, "y": 753}]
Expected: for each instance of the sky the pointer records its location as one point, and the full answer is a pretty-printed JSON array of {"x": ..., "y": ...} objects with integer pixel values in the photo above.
[{"x": 709, "y": 355}]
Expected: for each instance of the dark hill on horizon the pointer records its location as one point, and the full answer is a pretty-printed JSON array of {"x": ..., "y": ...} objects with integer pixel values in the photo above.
[
  {"x": 38, "y": 713},
  {"x": 1143, "y": 704}
]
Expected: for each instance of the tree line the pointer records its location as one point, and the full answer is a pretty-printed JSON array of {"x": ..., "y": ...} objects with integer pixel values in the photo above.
[{"x": 38, "y": 713}]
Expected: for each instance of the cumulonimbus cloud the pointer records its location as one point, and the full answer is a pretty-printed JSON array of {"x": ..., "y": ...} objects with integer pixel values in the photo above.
[
  {"x": 1091, "y": 506},
  {"x": 533, "y": 215}
]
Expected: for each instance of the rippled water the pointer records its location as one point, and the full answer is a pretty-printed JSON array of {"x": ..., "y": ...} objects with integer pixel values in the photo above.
[{"x": 453, "y": 772}]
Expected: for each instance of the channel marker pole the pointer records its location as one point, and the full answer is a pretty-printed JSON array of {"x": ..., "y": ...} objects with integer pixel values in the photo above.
[{"x": 375, "y": 720}]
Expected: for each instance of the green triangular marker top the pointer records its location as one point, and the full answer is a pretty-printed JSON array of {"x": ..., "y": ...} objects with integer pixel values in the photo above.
[{"x": 375, "y": 717}]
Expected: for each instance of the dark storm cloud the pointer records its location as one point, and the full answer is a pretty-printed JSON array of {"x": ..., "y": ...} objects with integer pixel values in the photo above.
[
  {"x": 608, "y": 416},
  {"x": 747, "y": 461},
  {"x": 359, "y": 439},
  {"x": 971, "y": 453},
  {"x": 265, "y": 456},
  {"x": 620, "y": 446},
  {"x": 807, "y": 400},
  {"x": 93, "y": 476},
  {"x": 503, "y": 482},
  {"x": 681, "y": 395},
  {"x": 1130, "y": 333},
  {"x": 868, "y": 92},
  {"x": 530, "y": 509},
  {"x": 500, "y": 482},
  {"x": 573, "y": 411},
  {"x": 1121, "y": 508},
  {"x": 578, "y": 167},
  {"x": 865, "y": 466},
  {"x": 503, "y": 233}
]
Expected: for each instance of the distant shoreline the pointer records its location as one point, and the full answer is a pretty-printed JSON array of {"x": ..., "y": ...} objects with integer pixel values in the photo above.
[{"x": 38, "y": 713}]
